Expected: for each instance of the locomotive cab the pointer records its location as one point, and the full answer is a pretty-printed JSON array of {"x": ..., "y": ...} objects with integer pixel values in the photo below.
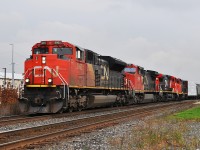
[{"x": 134, "y": 74}]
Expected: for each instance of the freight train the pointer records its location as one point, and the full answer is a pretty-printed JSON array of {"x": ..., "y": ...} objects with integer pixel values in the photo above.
[{"x": 60, "y": 76}]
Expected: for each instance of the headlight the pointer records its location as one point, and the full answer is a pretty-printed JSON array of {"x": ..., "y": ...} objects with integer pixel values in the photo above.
[
  {"x": 43, "y": 60},
  {"x": 43, "y": 43},
  {"x": 49, "y": 80},
  {"x": 57, "y": 42},
  {"x": 27, "y": 80}
]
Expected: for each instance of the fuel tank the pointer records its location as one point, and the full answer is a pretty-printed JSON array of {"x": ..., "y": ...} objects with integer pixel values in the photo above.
[{"x": 100, "y": 100}]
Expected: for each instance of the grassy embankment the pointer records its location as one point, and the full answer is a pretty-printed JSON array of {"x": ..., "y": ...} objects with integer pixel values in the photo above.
[
  {"x": 177, "y": 131},
  {"x": 190, "y": 114}
]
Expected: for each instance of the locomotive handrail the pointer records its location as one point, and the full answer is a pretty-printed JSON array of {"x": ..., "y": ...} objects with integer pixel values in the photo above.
[
  {"x": 64, "y": 82},
  {"x": 67, "y": 86},
  {"x": 131, "y": 84},
  {"x": 61, "y": 80}
]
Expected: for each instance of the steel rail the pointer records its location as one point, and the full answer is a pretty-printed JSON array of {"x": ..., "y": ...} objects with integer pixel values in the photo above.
[{"x": 8, "y": 120}]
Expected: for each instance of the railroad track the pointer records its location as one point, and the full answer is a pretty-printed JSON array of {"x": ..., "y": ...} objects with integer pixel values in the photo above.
[
  {"x": 19, "y": 138},
  {"x": 20, "y": 119},
  {"x": 10, "y": 120}
]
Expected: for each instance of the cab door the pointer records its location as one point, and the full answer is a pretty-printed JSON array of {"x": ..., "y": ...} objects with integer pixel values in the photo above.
[{"x": 80, "y": 67}]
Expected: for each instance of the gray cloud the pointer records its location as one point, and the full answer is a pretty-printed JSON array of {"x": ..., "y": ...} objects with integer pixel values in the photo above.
[{"x": 158, "y": 35}]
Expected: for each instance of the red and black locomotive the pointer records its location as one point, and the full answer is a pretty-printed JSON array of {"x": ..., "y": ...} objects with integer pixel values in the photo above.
[{"x": 60, "y": 76}]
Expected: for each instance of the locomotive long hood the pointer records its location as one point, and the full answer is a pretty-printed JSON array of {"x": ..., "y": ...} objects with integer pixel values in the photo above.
[{"x": 114, "y": 64}]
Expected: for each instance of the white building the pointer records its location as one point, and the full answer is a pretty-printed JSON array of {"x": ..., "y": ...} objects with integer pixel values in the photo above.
[{"x": 18, "y": 79}]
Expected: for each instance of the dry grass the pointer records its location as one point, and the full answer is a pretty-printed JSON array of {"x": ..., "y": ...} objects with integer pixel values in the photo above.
[
  {"x": 8, "y": 102},
  {"x": 157, "y": 134},
  {"x": 8, "y": 96}
]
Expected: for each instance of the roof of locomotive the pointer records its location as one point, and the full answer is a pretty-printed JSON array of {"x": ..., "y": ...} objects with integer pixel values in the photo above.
[{"x": 114, "y": 63}]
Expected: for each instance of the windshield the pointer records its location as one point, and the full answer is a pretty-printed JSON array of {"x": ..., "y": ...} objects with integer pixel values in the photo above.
[
  {"x": 41, "y": 51},
  {"x": 62, "y": 51},
  {"x": 130, "y": 70}
]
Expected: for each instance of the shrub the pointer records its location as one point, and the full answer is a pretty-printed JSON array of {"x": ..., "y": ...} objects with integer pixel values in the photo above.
[{"x": 8, "y": 96}]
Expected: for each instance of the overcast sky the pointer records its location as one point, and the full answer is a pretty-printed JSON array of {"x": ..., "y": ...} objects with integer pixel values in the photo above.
[{"x": 162, "y": 35}]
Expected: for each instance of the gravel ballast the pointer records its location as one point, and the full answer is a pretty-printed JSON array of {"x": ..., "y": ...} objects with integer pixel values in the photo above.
[{"x": 103, "y": 139}]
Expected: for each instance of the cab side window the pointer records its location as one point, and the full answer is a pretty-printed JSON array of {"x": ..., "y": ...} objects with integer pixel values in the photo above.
[
  {"x": 79, "y": 54},
  {"x": 40, "y": 51}
]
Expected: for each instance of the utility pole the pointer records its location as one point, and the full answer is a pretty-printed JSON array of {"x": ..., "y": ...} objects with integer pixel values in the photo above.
[
  {"x": 13, "y": 65},
  {"x": 4, "y": 77}
]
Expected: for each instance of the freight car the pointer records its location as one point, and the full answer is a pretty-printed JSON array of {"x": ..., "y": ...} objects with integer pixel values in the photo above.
[
  {"x": 60, "y": 76},
  {"x": 193, "y": 90},
  {"x": 198, "y": 91}
]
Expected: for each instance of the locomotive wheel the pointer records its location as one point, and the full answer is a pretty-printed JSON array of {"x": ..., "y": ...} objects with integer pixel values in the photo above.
[
  {"x": 137, "y": 99},
  {"x": 134, "y": 100},
  {"x": 80, "y": 108},
  {"x": 177, "y": 97},
  {"x": 71, "y": 109},
  {"x": 115, "y": 104},
  {"x": 60, "y": 111},
  {"x": 159, "y": 98},
  {"x": 141, "y": 99},
  {"x": 119, "y": 104},
  {"x": 154, "y": 99},
  {"x": 164, "y": 98}
]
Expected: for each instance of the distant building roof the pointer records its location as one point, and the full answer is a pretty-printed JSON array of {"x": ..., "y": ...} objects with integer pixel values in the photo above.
[{"x": 9, "y": 75}]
